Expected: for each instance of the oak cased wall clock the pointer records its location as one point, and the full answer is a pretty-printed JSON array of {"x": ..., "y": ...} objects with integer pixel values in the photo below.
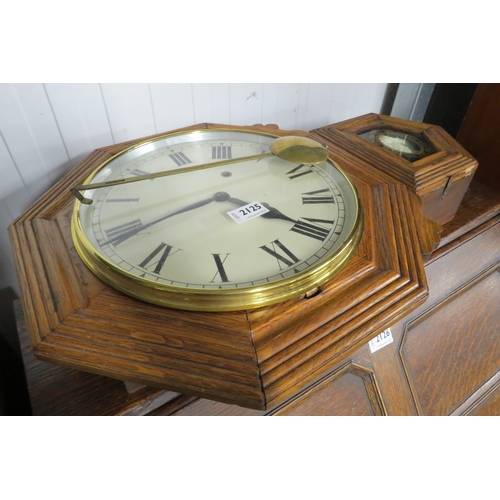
[{"x": 333, "y": 257}]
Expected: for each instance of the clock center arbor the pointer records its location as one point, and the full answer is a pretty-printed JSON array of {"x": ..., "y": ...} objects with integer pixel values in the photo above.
[{"x": 158, "y": 282}]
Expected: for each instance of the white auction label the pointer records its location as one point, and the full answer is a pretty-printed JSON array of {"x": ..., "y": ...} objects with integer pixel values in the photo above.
[
  {"x": 247, "y": 212},
  {"x": 381, "y": 340}
]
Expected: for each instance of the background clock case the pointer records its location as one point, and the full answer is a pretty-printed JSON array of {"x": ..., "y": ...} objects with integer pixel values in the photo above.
[
  {"x": 255, "y": 359},
  {"x": 440, "y": 179}
]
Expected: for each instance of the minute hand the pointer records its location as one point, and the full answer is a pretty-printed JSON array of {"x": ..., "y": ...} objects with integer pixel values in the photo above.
[{"x": 120, "y": 238}]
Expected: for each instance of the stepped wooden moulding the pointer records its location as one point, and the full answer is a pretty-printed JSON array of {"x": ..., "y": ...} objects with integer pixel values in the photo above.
[
  {"x": 422, "y": 156},
  {"x": 254, "y": 358}
]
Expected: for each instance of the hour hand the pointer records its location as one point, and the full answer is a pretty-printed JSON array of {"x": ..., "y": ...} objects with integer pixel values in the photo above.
[{"x": 273, "y": 213}]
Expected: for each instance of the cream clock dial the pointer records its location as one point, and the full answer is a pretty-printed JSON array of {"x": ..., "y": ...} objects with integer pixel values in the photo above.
[{"x": 233, "y": 236}]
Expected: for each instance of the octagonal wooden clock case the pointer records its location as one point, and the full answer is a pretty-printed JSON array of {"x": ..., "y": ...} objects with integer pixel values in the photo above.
[{"x": 257, "y": 354}]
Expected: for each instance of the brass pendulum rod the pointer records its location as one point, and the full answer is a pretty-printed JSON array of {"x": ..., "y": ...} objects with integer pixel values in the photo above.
[{"x": 295, "y": 149}]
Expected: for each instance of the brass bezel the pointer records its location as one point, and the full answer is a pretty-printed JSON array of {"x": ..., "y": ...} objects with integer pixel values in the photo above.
[{"x": 214, "y": 300}]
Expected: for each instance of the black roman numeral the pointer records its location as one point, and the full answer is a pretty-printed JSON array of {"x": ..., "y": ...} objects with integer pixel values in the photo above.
[
  {"x": 221, "y": 152},
  {"x": 277, "y": 246},
  {"x": 299, "y": 171},
  {"x": 180, "y": 158},
  {"x": 319, "y": 196},
  {"x": 219, "y": 262},
  {"x": 312, "y": 228},
  {"x": 165, "y": 250},
  {"x": 119, "y": 234}
]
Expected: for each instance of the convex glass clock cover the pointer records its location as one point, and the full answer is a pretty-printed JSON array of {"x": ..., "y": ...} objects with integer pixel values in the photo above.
[{"x": 233, "y": 236}]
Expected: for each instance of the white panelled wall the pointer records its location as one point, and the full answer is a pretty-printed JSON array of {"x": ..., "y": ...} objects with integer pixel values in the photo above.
[{"x": 47, "y": 129}]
